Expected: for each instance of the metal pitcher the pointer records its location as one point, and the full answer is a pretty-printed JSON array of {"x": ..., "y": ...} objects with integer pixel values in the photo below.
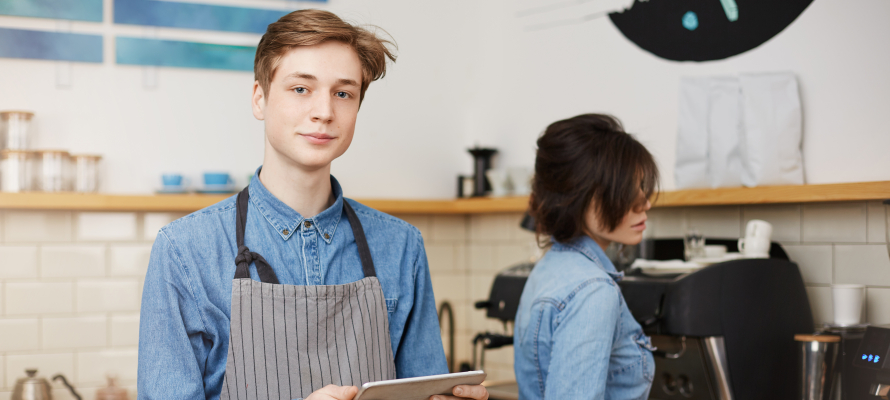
[{"x": 38, "y": 388}]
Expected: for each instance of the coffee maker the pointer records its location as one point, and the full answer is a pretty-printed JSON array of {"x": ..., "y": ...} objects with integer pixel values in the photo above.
[
  {"x": 869, "y": 363},
  {"x": 863, "y": 372},
  {"x": 725, "y": 331}
]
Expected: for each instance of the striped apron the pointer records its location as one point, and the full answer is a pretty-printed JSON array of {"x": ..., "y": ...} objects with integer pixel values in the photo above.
[{"x": 287, "y": 341}]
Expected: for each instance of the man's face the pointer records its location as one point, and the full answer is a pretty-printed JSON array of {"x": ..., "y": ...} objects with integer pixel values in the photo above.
[{"x": 311, "y": 106}]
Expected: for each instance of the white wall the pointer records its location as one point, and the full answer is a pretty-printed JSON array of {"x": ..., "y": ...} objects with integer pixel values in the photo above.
[
  {"x": 838, "y": 49},
  {"x": 467, "y": 73},
  {"x": 408, "y": 139}
]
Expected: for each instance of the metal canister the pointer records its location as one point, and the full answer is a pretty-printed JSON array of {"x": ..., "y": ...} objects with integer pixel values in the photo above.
[{"x": 817, "y": 358}]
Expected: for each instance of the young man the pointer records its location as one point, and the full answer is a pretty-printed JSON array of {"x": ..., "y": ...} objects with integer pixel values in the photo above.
[{"x": 339, "y": 294}]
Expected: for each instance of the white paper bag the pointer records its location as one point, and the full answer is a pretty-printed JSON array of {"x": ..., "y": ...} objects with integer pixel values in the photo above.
[
  {"x": 725, "y": 132},
  {"x": 739, "y": 131},
  {"x": 772, "y": 118},
  {"x": 691, "y": 169}
]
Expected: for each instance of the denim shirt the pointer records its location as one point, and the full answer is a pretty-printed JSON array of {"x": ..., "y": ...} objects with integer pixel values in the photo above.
[
  {"x": 574, "y": 336},
  {"x": 184, "y": 322}
]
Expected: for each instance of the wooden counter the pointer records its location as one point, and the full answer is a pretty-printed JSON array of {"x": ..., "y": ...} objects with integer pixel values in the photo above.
[{"x": 702, "y": 197}]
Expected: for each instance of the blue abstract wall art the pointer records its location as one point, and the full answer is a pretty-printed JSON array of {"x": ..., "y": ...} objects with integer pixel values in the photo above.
[
  {"x": 42, "y": 45},
  {"x": 79, "y": 10},
  {"x": 170, "y": 53},
  {"x": 194, "y": 16}
]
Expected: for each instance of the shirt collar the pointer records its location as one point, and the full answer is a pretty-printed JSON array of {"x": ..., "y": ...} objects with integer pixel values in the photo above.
[
  {"x": 590, "y": 249},
  {"x": 286, "y": 220}
]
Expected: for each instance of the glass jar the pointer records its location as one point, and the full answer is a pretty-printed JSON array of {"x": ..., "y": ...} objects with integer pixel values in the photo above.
[
  {"x": 17, "y": 168},
  {"x": 15, "y": 128},
  {"x": 53, "y": 167},
  {"x": 86, "y": 172}
]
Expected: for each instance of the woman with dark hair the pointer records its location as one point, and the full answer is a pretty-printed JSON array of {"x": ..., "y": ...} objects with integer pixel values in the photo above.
[{"x": 574, "y": 336}]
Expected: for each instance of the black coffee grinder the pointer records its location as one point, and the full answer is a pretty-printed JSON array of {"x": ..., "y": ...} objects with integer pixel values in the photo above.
[{"x": 481, "y": 163}]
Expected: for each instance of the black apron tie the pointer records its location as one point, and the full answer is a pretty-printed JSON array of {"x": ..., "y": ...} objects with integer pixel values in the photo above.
[{"x": 263, "y": 269}]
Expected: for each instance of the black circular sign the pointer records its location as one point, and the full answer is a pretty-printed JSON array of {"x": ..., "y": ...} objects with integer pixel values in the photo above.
[{"x": 704, "y": 30}]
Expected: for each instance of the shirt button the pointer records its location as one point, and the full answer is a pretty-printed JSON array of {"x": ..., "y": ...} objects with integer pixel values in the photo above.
[
  {"x": 326, "y": 236},
  {"x": 307, "y": 224},
  {"x": 285, "y": 232}
]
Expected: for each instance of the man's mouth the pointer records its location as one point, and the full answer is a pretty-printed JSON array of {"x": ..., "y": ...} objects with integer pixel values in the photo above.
[
  {"x": 317, "y": 138},
  {"x": 641, "y": 226}
]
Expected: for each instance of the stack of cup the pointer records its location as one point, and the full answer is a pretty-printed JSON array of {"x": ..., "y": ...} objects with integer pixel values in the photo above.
[
  {"x": 847, "y": 300},
  {"x": 756, "y": 243}
]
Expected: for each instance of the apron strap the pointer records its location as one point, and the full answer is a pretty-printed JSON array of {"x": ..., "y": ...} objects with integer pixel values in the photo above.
[
  {"x": 364, "y": 252},
  {"x": 245, "y": 256},
  {"x": 264, "y": 270}
]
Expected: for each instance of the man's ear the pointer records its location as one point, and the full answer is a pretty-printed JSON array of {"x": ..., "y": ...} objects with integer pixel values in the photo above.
[{"x": 258, "y": 101}]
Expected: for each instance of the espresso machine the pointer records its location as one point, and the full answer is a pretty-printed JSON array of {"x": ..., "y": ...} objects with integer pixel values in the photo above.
[
  {"x": 725, "y": 331},
  {"x": 869, "y": 364},
  {"x": 862, "y": 371}
]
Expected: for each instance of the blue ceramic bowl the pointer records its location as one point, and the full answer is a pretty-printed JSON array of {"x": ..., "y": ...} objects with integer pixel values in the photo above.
[
  {"x": 217, "y": 178},
  {"x": 171, "y": 179}
]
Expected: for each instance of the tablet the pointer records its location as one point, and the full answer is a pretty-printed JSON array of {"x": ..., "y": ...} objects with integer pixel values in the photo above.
[{"x": 419, "y": 388}]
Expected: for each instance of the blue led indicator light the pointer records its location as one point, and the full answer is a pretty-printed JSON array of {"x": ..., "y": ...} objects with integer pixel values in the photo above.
[
  {"x": 864, "y": 356},
  {"x": 870, "y": 357},
  {"x": 877, "y": 358}
]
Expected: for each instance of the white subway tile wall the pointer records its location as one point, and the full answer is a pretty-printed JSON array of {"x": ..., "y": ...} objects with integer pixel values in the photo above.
[
  {"x": 128, "y": 259},
  {"x": 37, "y": 226},
  {"x": 862, "y": 264},
  {"x": 18, "y": 262},
  {"x": 108, "y": 295},
  {"x": 72, "y": 261},
  {"x": 39, "y": 297},
  {"x": 877, "y": 224},
  {"x": 19, "y": 334},
  {"x": 878, "y": 305},
  {"x": 722, "y": 222},
  {"x": 71, "y": 287},
  {"x": 814, "y": 261},
  {"x": 75, "y": 332},
  {"x": 93, "y": 366},
  {"x": 106, "y": 226},
  {"x": 820, "y": 304},
  {"x": 125, "y": 330},
  {"x": 153, "y": 222},
  {"x": 835, "y": 222}
]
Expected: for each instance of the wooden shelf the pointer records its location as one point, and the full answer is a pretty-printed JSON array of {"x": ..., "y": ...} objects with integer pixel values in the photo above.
[
  {"x": 193, "y": 202},
  {"x": 857, "y": 191},
  {"x": 701, "y": 197}
]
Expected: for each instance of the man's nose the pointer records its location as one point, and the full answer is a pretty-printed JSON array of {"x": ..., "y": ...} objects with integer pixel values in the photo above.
[{"x": 322, "y": 109}]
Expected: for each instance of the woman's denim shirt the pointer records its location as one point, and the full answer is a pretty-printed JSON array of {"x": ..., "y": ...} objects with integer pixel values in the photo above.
[{"x": 575, "y": 337}]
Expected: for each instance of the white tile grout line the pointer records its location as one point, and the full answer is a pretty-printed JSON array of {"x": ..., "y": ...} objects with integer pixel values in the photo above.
[{"x": 833, "y": 262}]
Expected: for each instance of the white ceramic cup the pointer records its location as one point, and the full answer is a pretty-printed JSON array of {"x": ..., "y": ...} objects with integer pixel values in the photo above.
[
  {"x": 847, "y": 301},
  {"x": 756, "y": 242},
  {"x": 499, "y": 181},
  {"x": 521, "y": 179},
  {"x": 715, "y": 250}
]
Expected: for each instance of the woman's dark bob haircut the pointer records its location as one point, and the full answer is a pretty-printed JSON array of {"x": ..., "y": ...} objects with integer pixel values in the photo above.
[{"x": 583, "y": 159}]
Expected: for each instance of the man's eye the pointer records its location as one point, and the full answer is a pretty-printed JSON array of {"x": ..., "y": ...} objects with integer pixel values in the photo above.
[
  {"x": 300, "y": 90},
  {"x": 342, "y": 95}
]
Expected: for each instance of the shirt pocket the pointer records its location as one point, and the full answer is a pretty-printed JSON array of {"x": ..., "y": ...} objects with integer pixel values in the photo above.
[
  {"x": 646, "y": 348},
  {"x": 391, "y": 306}
]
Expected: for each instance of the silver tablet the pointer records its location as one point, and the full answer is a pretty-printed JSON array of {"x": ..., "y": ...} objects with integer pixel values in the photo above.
[{"x": 419, "y": 388}]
